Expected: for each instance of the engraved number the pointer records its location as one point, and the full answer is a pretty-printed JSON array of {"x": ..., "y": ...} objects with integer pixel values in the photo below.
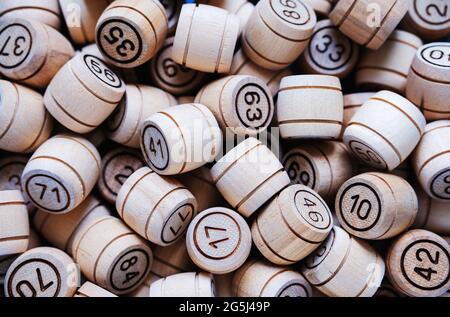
[
  {"x": 363, "y": 205},
  {"x": 98, "y": 69},
  {"x": 434, "y": 7},
  {"x": 426, "y": 273},
  {"x": 115, "y": 35},
  {"x": 17, "y": 51},
  {"x": 43, "y": 287},
  {"x": 293, "y": 172},
  {"x": 313, "y": 215},
  {"x": 44, "y": 190},
  {"x": 333, "y": 56},
  {"x": 171, "y": 69},
  {"x": 290, "y": 13},
  {"x": 251, "y": 98},
  {"x": 122, "y": 176},
  {"x": 126, "y": 265},
  {"x": 153, "y": 147},
  {"x": 367, "y": 155}
]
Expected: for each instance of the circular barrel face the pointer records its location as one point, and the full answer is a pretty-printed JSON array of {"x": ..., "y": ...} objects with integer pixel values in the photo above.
[
  {"x": 16, "y": 43},
  {"x": 48, "y": 191},
  {"x": 155, "y": 147},
  {"x": 42, "y": 272},
  {"x": 129, "y": 268},
  {"x": 120, "y": 41},
  {"x": 253, "y": 106},
  {"x": 219, "y": 240},
  {"x": 360, "y": 206},
  {"x": 419, "y": 264}
]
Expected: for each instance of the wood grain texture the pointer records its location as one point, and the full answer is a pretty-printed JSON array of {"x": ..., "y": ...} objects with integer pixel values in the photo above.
[
  {"x": 62, "y": 230},
  {"x": 256, "y": 169},
  {"x": 242, "y": 104},
  {"x": 384, "y": 131},
  {"x": 352, "y": 103},
  {"x": 388, "y": 67},
  {"x": 24, "y": 122},
  {"x": 61, "y": 173},
  {"x": 369, "y": 22},
  {"x": 430, "y": 160},
  {"x": 292, "y": 225},
  {"x": 258, "y": 278},
  {"x": 14, "y": 224},
  {"x": 42, "y": 272},
  {"x": 429, "y": 80},
  {"x": 112, "y": 256},
  {"x": 180, "y": 139},
  {"x": 156, "y": 207},
  {"x": 45, "y": 11},
  {"x": 212, "y": 51},
  {"x": 310, "y": 106},
  {"x": 129, "y": 33},
  {"x": 344, "y": 266},
  {"x": 32, "y": 52},
  {"x": 376, "y": 206},
  {"x": 329, "y": 52},
  {"x": 172, "y": 77},
  {"x": 139, "y": 102},
  {"x": 278, "y": 32},
  {"x": 322, "y": 166},
  {"x": 184, "y": 285},
  {"x": 418, "y": 264},
  {"x": 218, "y": 240},
  {"x": 83, "y": 93}
]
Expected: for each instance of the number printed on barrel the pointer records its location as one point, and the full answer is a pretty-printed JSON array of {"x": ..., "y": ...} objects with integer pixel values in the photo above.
[
  {"x": 360, "y": 207},
  {"x": 253, "y": 106},
  {"x": 300, "y": 169},
  {"x": 291, "y": 11},
  {"x": 15, "y": 45},
  {"x": 39, "y": 284},
  {"x": 117, "y": 166},
  {"x": 217, "y": 235},
  {"x": 437, "y": 55},
  {"x": 48, "y": 192},
  {"x": 11, "y": 169},
  {"x": 312, "y": 209},
  {"x": 368, "y": 155},
  {"x": 102, "y": 72},
  {"x": 425, "y": 264},
  {"x": 170, "y": 76},
  {"x": 177, "y": 223},
  {"x": 433, "y": 11},
  {"x": 120, "y": 41},
  {"x": 158, "y": 151},
  {"x": 330, "y": 52},
  {"x": 316, "y": 258},
  {"x": 440, "y": 185},
  {"x": 129, "y": 270}
]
